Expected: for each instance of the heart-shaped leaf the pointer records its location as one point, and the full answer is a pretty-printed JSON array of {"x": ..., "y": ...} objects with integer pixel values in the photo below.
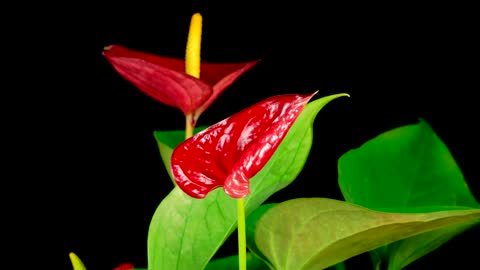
[
  {"x": 185, "y": 232},
  {"x": 316, "y": 233},
  {"x": 407, "y": 169}
]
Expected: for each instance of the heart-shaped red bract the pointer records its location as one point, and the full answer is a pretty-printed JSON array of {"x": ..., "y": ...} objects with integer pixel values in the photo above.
[
  {"x": 232, "y": 151},
  {"x": 164, "y": 78}
]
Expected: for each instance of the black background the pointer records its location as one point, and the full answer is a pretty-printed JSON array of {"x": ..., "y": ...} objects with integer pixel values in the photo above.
[{"x": 91, "y": 174}]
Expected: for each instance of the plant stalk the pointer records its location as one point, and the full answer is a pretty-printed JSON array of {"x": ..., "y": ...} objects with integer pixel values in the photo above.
[
  {"x": 189, "y": 126},
  {"x": 242, "y": 238}
]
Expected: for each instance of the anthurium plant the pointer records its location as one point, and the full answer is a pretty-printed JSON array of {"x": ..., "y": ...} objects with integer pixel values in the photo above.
[{"x": 404, "y": 194}]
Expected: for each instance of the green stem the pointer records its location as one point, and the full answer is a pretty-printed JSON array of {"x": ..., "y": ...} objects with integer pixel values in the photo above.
[
  {"x": 242, "y": 242},
  {"x": 189, "y": 126}
]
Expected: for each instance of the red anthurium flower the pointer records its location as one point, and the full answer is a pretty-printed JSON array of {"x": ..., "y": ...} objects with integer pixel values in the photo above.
[
  {"x": 125, "y": 266},
  {"x": 164, "y": 78},
  {"x": 232, "y": 151}
]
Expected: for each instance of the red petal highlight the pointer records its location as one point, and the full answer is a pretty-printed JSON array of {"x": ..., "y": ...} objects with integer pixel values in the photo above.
[
  {"x": 234, "y": 150},
  {"x": 159, "y": 78}
]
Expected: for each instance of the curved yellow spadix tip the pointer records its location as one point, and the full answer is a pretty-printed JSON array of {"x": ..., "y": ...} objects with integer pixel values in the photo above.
[
  {"x": 192, "y": 54},
  {"x": 76, "y": 262}
]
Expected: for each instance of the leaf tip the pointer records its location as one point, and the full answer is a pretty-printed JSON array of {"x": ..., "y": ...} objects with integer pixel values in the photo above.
[
  {"x": 343, "y": 95},
  {"x": 335, "y": 95}
]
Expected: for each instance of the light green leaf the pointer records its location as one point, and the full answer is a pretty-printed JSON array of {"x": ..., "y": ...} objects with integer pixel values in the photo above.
[
  {"x": 251, "y": 224},
  {"x": 185, "y": 233},
  {"x": 316, "y": 233},
  {"x": 407, "y": 169}
]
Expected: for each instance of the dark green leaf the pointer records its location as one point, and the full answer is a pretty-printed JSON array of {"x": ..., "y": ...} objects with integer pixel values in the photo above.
[{"x": 407, "y": 169}]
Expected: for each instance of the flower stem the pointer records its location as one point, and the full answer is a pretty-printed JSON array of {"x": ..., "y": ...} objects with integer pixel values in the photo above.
[
  {"x": 192, "y": 54},
  {"x": 189, "y": 125},
  {"x": 242, "y": 242}
]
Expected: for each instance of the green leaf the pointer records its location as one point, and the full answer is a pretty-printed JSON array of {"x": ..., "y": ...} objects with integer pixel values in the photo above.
[
  {"x": 316, "y": 233},
  {"x": 185, "y": 233},
  {"x": 404, "y": 252},
  {"x": 407, "y": 169},
  {"x": 251, "y": 224},
  {"x": 404, "y": 167},
  {"x": 167, "y": 141},
  {"x": 231, "y": 262}
]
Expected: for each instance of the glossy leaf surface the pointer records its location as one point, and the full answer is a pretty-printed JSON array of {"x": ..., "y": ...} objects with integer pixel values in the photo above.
[
  {"x": 316, "y": 233},
  {"x": 186, "y": 232},
  {"x": 407, "y": 169},
  {"x": 232, "y": 151},
  {"x": 164, "y": 78}
]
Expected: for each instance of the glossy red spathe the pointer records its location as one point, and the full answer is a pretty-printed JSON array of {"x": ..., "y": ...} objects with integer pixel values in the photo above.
[
  {"x": 232, "y": 151},
  {"x": 164, "y": 78}
]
